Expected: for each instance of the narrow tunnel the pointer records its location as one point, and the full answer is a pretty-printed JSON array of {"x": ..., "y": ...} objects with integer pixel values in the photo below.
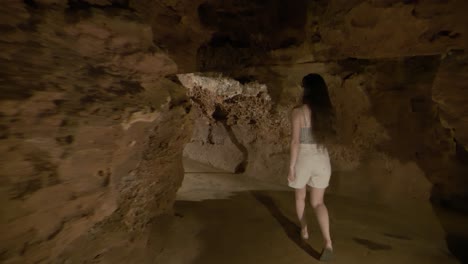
[{"x": 160, "y": 131}]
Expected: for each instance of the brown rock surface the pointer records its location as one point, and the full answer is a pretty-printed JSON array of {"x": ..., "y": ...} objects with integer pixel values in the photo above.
[
  {"x": 385, "y": 29},
  {"x": 86, "y": 118},
  {"x": 93, "y": 120}
]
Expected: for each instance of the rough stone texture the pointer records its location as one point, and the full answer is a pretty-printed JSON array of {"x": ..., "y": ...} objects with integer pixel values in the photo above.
[
  {"x": 449, "y": 93},
  {"x": 93, "y": 120},
  {"x": 177, "y": 28},
  {"x": 86, "y": 121},
  {"x": 368, "y": 29},
  {"x": 397, "y": 88},
  {"x": 224, "y": 107},
  {"x": 211, "y": 144},
  {"x": 359, "y": 156}
]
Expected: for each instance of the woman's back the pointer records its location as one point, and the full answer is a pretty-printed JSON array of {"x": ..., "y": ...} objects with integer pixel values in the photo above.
[{"x": 306, "y": 135}]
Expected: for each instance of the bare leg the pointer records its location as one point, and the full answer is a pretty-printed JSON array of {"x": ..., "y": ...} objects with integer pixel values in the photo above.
[
  {"x": 321, "y": 212},
  {"x": 300, "y": 206}
]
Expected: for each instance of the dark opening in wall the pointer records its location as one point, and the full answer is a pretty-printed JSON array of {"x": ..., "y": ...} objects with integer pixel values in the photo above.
[
  {"x": 219, "y": 114},
  {"x": 245, "y": 79},
  {"x": 461, "y": 152}
]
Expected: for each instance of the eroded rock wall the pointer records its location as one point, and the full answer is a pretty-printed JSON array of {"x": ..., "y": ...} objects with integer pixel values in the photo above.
[
  {"x": 87, "y": 121},
  {"x": 227, "y": 113},
  {"x": 93, "y": 121}
]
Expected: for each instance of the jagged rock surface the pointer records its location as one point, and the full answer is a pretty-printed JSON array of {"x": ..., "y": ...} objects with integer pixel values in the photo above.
[
  {"x": 86, "y": 121},
  {"x": 89, "y": 105}
]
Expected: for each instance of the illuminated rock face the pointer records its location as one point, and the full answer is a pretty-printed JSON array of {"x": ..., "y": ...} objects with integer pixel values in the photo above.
[
  {"x": 87, "y": 120},
  {"x": 98, "y": 100}
]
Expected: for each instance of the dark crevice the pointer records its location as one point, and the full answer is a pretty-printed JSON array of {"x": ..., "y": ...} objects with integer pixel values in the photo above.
[
  {"x": 56, "y": 231},
  {"x": 221, "y": 40},
  {"x": 31, "y": 4},
  {"x": 444, "y": 34},
  {"x": 210, "y": 135},
  {"x": 4, "y": 132},
  {"x": 245, "y": 153},
  {"x": 245, "y": 79},
  {"x": 220, "y": 115},
  {"x": 84, "y": 5},
  {"x": 173, "y": 78},
  {"x": 347, "y": 76},
  {"x": 461, "y": 152}
]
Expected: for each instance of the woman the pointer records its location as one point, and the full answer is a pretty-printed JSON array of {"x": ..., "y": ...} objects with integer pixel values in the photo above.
[{"x": 310, "y": 164}]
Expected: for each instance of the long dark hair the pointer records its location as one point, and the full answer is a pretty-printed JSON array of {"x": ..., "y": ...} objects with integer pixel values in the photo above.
[{"x": 322, "y": 113}]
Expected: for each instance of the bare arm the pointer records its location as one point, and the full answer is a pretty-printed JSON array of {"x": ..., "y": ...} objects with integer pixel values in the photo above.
[{"x": 296, "y": 126}]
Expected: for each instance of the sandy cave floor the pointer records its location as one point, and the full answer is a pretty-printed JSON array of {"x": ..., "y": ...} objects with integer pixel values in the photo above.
[{"x": 228, "y": 218}]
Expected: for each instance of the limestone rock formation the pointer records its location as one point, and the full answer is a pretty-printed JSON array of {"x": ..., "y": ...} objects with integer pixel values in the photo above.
[
  {"x": 226, "y": 113},
  {"x": 97, "y": 96},
  {"x": 87, "y": 123}
]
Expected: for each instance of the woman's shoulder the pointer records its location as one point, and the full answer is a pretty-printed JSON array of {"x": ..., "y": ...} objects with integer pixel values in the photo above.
[
  {"x": 296, "y": 111},
  {"x": 298, "y": 107}
]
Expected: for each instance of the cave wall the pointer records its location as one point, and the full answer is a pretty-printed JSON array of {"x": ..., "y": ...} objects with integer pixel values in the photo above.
[
  {"x": 391, "y": 85},
  {"x": 369, "y": 29},
  {"x": 87, "y": 121},
  {"x": 449, "y": 94},
  {"x": 89, "y": 102}
]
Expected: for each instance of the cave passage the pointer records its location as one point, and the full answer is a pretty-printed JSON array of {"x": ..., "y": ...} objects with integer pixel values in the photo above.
[{"x": 138, "y": 131}]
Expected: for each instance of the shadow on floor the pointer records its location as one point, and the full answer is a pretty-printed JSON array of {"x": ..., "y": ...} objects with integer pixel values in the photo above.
[
  {"x": 456, "y": 233},
  {"x": 290, "y": 228},
  {"x": 259, "y": 226},
  {"x": 458, "y": 246}
]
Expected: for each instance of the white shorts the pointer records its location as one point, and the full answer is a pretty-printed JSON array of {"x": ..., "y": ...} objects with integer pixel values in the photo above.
[{"x": 312, "y": 167}]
